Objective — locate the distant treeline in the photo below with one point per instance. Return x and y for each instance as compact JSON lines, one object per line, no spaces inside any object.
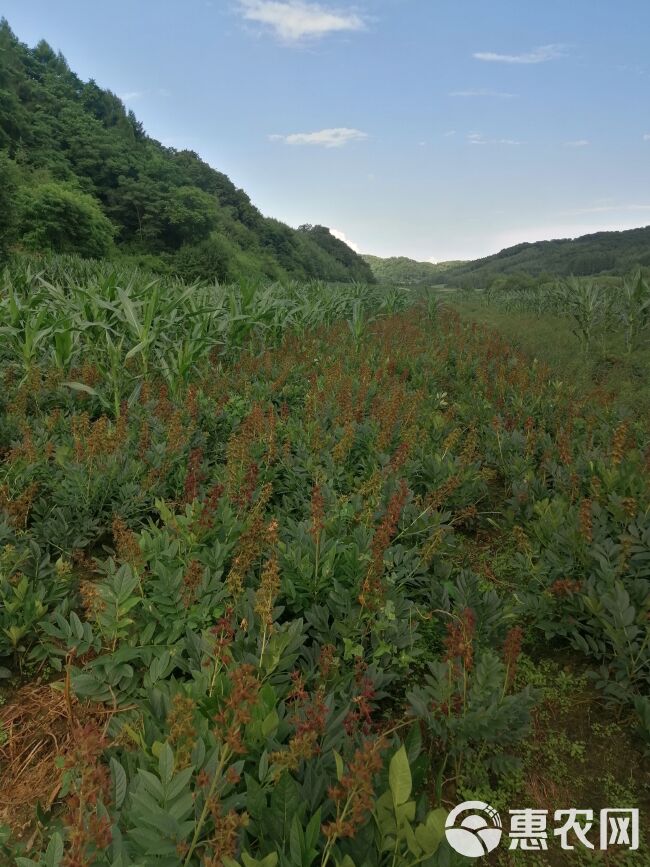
{"x":78,"y":174}
{"x":408,"y":272}
{"x":603,"y":253}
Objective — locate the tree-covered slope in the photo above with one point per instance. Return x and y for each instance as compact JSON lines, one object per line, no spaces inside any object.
{"x":613,"y":253}
{"x":78,"y":173}
{"x":404,"y":271}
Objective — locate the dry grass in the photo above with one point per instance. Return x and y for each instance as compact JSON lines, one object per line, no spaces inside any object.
{"x":40,"y":723}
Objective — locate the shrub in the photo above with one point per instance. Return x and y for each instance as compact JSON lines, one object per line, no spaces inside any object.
{"x":7,"y":201}
{"x":211,"y":259}
{"x":65,"y":220}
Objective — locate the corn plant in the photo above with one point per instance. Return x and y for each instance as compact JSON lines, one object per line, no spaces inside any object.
{"x":585,"y":304}
{"x":635,"y":310}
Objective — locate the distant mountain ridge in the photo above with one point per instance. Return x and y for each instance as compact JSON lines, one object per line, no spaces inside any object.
{"x":611,"y":253}
{"x":70,"y":150}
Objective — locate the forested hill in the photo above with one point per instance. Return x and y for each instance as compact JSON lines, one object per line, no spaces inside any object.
{"x":79,"y":174}
{"x":407,"y":272}
{"x":610,"y":253}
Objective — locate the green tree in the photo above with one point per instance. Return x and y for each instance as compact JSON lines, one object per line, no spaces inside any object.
{"x":65,"y":220}
{"x":211,"y":259}
{"x":189,"y":215}
{"x":160,"y":200}
{"x":7,"y":201}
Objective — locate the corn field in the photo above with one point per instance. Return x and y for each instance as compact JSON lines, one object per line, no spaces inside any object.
{"x":592,"y":307}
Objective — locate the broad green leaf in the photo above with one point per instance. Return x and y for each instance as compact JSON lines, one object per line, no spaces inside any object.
{"x":415,"y":847}
{"x":166,"y":764}
{"x":54,"y":851}
{"x":270,"y":723}
{"x":285,"y":803}
{"x":80,"y":386}
{"x":432,"y":832}
{"x":296,"y":841}
{"x":119,"y":783}
{"x":399,"y":777}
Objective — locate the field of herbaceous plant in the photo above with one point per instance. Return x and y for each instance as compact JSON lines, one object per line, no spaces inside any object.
{"x":286,"y":573}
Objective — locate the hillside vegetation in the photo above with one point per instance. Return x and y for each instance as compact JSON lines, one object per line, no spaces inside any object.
{"x":607,"y":253}
{"x":78,"y":174}
{"x":407,"y":272}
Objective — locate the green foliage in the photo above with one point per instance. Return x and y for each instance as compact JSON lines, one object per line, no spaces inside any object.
{"x":613,"y":253}
{"x":586,"y":304}
{"x":64,"y":220}
{"x":525,"y":266}
{"x":634,"y":310}
{"x":242,"y":523}
{"x":188,"y":215}
{"x":212,"y":259}
{"x":594,"y":308}
{"x":407,"y":272}
{"x":160,"y":200}
{"x":404,"y":841}
{"x":8,"y":215}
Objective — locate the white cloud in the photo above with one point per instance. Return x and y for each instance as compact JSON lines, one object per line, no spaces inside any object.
{"x":135,"y":95}
{"x":342,"y":237}
{"x":477,"y":138}
{"x":131,"y":95}
{"x":293,"y":20}
{"x":538,"y":55}
{"x":472,"y":93}
{"x":326,"y":138}
{"x":646,"y":137}
{"x":578,"y":143}
{"x":450,"y":132}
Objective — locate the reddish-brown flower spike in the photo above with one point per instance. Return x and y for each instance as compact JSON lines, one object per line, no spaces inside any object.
{"x":459,"y":640}
{"x":371,"y":590}
{"x":223,"y":633}
{"x":565,"y":587}
{"x":191,"y":582}
{"x":127,"y":547}
{"x":194,"y":476}
{"x":327,"y":660}
{"x":586,"y":520}
{"x":210,"y":506}
{"x":236,"y":710}
{"x":354,"y":794}
{"x":317,"y":513}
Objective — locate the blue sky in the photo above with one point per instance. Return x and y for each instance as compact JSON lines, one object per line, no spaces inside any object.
{"x":436,"y":129}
